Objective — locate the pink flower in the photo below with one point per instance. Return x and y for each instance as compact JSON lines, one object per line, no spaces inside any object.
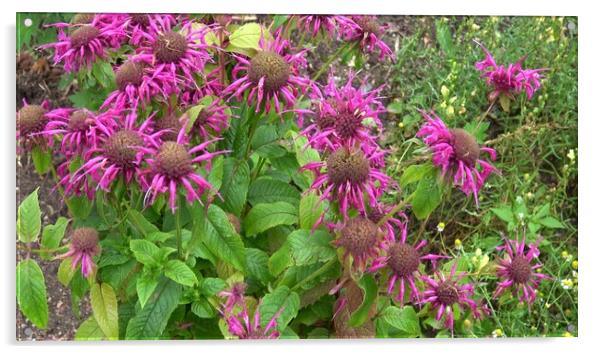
{"x":402,"y":261}
{"x":445,"y":292}
{"x":172,"y":164}
{"x":136,"y":25}
{"x":516,"y":271}
{"x":361,"y":240}
{"x":83,"y":247}
{"x":346,"y":116}
{"x":116,"y":152}
{"x":271,"y":76}
{"x":31,"y":122}
{"x":508,"y":80}
{"x":80,"y":45}
{"x":458,"y":154}
{"x":241,"y":323}
{"x":368,"y":32}
{"x":77,"y":128}
{"x":348,"y":177}
{"x":212,"y":119}
{"x":323,"y":24}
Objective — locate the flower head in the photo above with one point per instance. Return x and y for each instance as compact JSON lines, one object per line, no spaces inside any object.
{"x":241,"y":323}
{"x":31,"y":122}
{"x":348,"y":176}
{"x":508,"y":80}
{"x":458,"y":154}
{"x":516,"y":271}
{"x":77,"y":127}
{"x":444,"y":292}
{"x":80,"y":45}
{"x":172,"y":164}
{"x":368,"y":32}
{"x":271,"y":76}
{"x":323,"y":25}
{"x":345,"y":116}
{"x":84,"y":245}
{"x":361,"y":239}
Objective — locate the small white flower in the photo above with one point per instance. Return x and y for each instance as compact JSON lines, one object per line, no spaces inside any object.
{"x":521,"y":216}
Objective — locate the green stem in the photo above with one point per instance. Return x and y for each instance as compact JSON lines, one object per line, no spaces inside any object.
{"x":179,"y":234}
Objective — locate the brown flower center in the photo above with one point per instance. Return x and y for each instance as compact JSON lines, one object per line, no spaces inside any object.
{"x":120,"y":148}
{"x":359,"y":236}
{"x":80,"y":120}
{"x":85,"y":239}
{"x":347,"y":124}
{"x":368,"y":24}
{"x":170,"y":47}
{"x":83,"y":35}
{"x":465,"y":146}
{"x":270,"y":66}
{"x":83,"y":18}
{"x":139,"y":19}
{"x":171,"y":124}
{"x":344,"y":166}
{"x":129,"y":73}
{"x":31,"y":119}
{"x":520,"y":270}
{"x":173,"y":160}
{"x":403,"y":259}
{"x":447,"y":293}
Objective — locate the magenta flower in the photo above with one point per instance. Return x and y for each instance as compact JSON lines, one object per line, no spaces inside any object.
{"x":443,"y":293}
{"x":394,"y":224}
{"x":83,"y":247}
{"x":31,"y":122}
{"x":116,"y":152}
{"x":348,"y":177}
{"x":361,"y":240}
{"x":458,"y":154}
{"x":508,"y":80}
{"x":346,"y":116}
{"x":326,"y":25}
{"x":172,"y":164}
{"x":136,"y":25}
{"x":368,"y":32}
{"x":517,"y":272}
{"x":212,"y":119}
{"x":77,"y":128}
{"x":271,"y":76}
{"x":402,"y":261}
{"x":80,"y":45}
{"x":137,"y":82}
{"x":177,"y":58}
{"x":241,"y":323}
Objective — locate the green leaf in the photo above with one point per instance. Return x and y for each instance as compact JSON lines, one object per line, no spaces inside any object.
{"x":31,"y":292}
{"x":89,"y":330}
{"x":179,"y":272}
{"x":104,"y":309}
{"x":79,"y":206}
{"x":280,"y":260}
{"x":66,"y":272}
{"x":247,"y":37}
{"x":370,"y":290}
{"x":304,"y":153}
{"x":504,"y":213}
{"x":42,"y":159}
{"x":257,"y":265}
{"x":551,"y":222}
{"x":263,"y":217}
{"x":235,"y":185}
{"x":221,"y":239}
{"x":269,"y":190}
{"x":310,"y":209}
{"x":414,"y":173}
{"x":29,"y":218}
{"x":139,"y":222}
{"x":211,"y":286}
{"x":145,"y":251}
{"x":444,"y":37}
{"x":283,"y":301}
{"x":52,"y":236}
{"x":145,"y":285}
{"x":404,"y":319}
{"x":427,"y":196}
{"x":505,"y":102}
{"x":150,"y":322}
{"x":202,"y":308}
{"x":309,"y":248}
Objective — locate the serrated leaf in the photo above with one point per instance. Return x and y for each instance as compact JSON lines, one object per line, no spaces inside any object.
{"x":52,"y":236}
{"x":31,"y":292}
{"x":89,"y":330}
{"x":404,"y":319}
{"x":145,"y":286}
{"x":144,"y":251}
{"x":427,"y":196}
{"x":140,"y":223}
{"x":150,"y":322}
{"x":370,"y":291}
{"x":202,"y":308}
{"x":282,"y":300}
{"x":235,"y":185}
{"x":29,"y":218}
{"x":221,"y":239}
{"x":414,"y":173}
{"x":42,"y":159}
{"x":280,"y":260}
{"x":104,"y":309}
{"x":179,"y":272}
{"x":211,"y":286}
{"x":551,"y":222}
{"x":257,"y":265}
{"x":504,"y":213}
{"x":310,"y":209}
{"x":66,"y":271}
{"x":264,"y":216}
{"x":309,"y":248}
{"x":79,"y":206}
{"x":247,"y":37}
{"x":269,"y":190}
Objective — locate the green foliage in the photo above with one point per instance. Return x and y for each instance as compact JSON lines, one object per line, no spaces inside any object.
{"x":29,"y":218}
{"x":31,"y":292}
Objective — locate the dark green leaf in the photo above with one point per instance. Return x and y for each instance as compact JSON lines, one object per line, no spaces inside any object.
{"x":235,"y":185}
{"x":52,"y":236}
{"x":31,"y":292}
{"x":283,"y":301}
{"x":269,"y":190}
{"x":29,"y":218}
{"x":404,"y":319}
{"x":179,"y":272}
{"x":264,"y":216}
{"x":309,"y":248}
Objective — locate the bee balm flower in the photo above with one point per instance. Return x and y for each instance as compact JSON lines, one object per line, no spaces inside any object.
{"x":360,"y":238}
{"x":83,"y":247}
{"x":368,"y":32}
